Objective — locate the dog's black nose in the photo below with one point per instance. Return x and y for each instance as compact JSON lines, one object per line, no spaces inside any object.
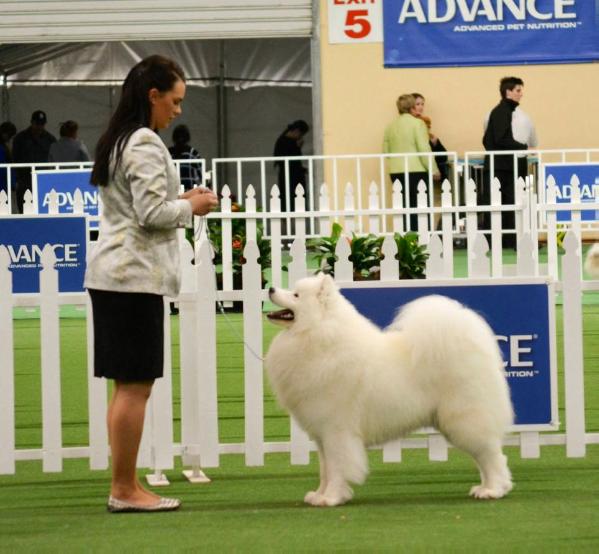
{"x":271,"y":290}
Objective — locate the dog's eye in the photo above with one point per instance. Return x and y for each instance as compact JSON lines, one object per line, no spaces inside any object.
{"x":296,"y":294}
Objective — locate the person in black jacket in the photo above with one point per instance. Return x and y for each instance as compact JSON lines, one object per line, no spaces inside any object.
{"x":29,"y":146}
{"x":289,"y":143}
{"x":499,"y":136}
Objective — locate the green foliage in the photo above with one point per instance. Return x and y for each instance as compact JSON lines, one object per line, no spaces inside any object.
{"x":366,"y":254}
{"x":324,"y":249}
{"x":411,"y":256}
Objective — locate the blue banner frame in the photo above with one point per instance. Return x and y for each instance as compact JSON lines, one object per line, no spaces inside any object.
{"x":25,"y":238}
{"x":588,"y":176}
{"x":521,"y":315}
{"x":442,"y":33}
{"x":65,"y":182}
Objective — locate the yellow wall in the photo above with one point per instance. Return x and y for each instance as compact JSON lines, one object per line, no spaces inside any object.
{"x":358,"y":99}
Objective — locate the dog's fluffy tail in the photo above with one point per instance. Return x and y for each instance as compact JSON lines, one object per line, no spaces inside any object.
{"x":591,"y":264}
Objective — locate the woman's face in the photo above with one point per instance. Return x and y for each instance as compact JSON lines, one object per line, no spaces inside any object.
{"x":418,"y":106}
{"x":166,"y":106}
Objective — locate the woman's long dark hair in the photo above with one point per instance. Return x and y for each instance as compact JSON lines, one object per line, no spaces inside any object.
{"x":133,"y":110}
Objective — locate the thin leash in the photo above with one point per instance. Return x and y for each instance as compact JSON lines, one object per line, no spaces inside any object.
{"x":197,"y":234}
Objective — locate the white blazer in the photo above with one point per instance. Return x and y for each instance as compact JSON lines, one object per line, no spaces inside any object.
{"x":137,"y":248}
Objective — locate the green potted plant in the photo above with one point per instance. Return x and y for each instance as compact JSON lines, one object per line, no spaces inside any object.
{"x":411,"y":256}
{"x":366,"y":254}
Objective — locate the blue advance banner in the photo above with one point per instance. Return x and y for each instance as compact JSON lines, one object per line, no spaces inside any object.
{"x":438,"y":33}
{"x":588,"y":175}
{"x":25,"y":238}
{"x":65,"y":183}
{"x":520,"y":316}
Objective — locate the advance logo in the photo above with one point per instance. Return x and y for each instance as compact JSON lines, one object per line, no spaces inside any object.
{"x":65,"y":183}
{"x":25,"y":238}
{"x":588,"y":176}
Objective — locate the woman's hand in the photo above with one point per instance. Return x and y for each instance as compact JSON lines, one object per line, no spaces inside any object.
{"x":202,"y":200}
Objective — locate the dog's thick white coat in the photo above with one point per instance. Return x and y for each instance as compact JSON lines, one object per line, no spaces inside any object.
{"x":350,"y":385}
{"x":591,"y":264}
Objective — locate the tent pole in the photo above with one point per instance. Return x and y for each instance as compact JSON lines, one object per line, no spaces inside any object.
{"x":221,"y":123}
{"x":5,"y":99}
{"x":316,"y":91}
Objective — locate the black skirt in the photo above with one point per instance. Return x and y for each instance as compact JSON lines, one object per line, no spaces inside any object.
{"x":128,"y":335}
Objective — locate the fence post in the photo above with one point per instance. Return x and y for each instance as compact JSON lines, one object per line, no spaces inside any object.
{"x":344,"y":270}
{"x":471,"y":223}
{"x":373,"y":204}
{"x":4,"y":203}
{"x":7,"y":368}
{"x":446,"y":230}
{"x":389,"y":265}
{"x":97,"y":401}
{"x":325,"y":223}
{"x":479,"y":264}
{"x":496,"y":230}
{"x":50,"y":354}
{"x":573,"y":347}
{"x":397,"y":204}
{"x":422,"y":218}
{"x":434,"y":264}
{"x":197,"y":324}
{"x":275,"y":237}
{"x":349,"y":221}
{"x":160,"y":412}
{"x":300,"y":442}
{"x":551,"y":226}
{"x":252,"y":357}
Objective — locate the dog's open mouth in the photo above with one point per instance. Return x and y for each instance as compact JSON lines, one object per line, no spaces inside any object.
{"x":281,"y":315}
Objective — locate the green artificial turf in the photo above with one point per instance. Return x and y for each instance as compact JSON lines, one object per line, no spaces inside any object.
{"x":414,"y":506}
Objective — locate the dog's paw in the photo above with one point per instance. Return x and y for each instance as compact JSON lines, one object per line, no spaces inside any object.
{"x":313,"y":497}
{"x":485,"y":493}
{"x":316,"y":499}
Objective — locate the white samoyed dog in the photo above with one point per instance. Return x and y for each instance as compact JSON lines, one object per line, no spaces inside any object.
{"x":591,"y":264}
{"x":350,"y":385}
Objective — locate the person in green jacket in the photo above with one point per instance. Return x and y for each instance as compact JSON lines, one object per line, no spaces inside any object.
{"x":408,"y":134}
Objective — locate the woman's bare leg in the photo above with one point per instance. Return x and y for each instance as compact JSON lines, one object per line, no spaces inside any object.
{"x":125,"y":425}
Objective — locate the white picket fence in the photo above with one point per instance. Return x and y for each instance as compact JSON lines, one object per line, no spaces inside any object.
{"x":199,"y":445}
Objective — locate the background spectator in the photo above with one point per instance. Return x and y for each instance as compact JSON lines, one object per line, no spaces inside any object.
{"x":31,"y":145}
{"x":433,"y":140}
{"x":289,"y":143}
{"x":7,"y":131}
{"x":191,"y":174}
{"x":499,"y":135}
{"x":406,"y":134}
{"x":68,"y":148}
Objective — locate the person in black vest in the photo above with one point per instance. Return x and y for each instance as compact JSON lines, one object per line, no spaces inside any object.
{"x":30,"y":146}
{"x":499,"y":136}
{"x":290,"y":143}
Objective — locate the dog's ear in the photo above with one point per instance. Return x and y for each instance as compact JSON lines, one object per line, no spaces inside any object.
{"x":327,"y":286}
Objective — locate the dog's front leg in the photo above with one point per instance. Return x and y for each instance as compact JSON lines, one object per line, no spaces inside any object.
{"x":313,"y":497}
{"x":345,"y":460}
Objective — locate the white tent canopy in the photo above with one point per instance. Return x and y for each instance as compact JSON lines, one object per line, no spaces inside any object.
{"x":241,"y":92}
{"x":240,"y":63}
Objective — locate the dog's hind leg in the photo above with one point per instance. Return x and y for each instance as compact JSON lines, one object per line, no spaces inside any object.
{"x":311,"y":496}
{"x":496,"y":479}
{"x":345,"y":461}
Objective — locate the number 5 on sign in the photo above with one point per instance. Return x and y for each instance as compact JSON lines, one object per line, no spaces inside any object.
{"x":355,"y":21}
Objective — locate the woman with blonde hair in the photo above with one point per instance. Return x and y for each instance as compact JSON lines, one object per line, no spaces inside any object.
{"x":409,"y":134}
